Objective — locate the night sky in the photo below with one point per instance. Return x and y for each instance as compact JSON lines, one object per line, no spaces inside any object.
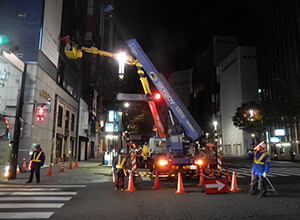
{"x":171,"y":34}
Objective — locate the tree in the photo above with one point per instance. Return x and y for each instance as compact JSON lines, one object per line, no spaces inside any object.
{"x":249,"y":117}
{"x":140,"y":118}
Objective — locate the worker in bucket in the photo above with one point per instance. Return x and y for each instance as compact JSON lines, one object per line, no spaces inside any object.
{"x":37,"y":161}
{"x":261,"y":165}
{"x":119,"y":166}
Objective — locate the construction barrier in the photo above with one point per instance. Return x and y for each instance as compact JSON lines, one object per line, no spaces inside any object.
{"x":219,"y":163}
{"x":133,"y":161}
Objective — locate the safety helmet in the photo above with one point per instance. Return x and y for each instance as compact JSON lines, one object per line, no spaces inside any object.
{"x":123,"y":151}
{"x":38,"y":146}
{"x":263,"y":146}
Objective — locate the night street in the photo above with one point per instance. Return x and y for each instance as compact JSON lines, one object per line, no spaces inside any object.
{"x":87,"y":192}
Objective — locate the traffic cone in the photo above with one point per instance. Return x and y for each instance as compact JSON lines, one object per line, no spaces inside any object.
{"x":227,"y":177}
{"x":70,"y":165}
{"x":130,"y":184}
{"x":50,"y":170}
{"x":76,"y":163}
{"x":62,"y":168}
{"x":18,"y":169}
{"x":233,"y":183}
{"x":24,"y":165}
{"x":156,"y":182}
{"x":201,"y":178}
{"x":250,"y":184}
{"x":56,"y":162}
{"x":180,"y":185}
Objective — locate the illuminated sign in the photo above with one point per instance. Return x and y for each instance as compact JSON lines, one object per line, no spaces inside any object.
{"x":279,"y":132}
{"x":274,"y":139}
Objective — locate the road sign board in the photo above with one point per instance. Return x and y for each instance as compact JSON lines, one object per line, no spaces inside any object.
{"x":130,"y":97}
{"x":215,"y":186}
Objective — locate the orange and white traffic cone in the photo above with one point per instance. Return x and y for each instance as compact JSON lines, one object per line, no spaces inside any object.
{"x":50,"y":170}
{"x":62,"y":168}
{"x":76,"y":163}
{"x":18,"y":169}
{"x":24,"y":165}
{"x":233,"y":183}
{"x":180,"y":185}
{"x":70,"y":165}
{"x":56,"y":162}
{"x":227,"y":177}
{"x":201,"y":178}
{"x":156,"y":182}
{"x":130,"y":184}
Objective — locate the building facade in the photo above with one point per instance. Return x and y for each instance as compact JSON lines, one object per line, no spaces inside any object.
{"x":37,"y":27}
{"x":238,"y":85}
{"x":181,"y":82}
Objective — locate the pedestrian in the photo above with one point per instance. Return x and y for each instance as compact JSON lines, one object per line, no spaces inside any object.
{"x":37,"y":160}
{"x":260,"y":168}
{"x":118,"y":167}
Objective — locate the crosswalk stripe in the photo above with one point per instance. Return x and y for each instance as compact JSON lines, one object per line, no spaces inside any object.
{"x":42,"y":186}
{"x":25,"y":215}
{"x":36,"y":198}
{"x":33,"y":189}
{"x":146,"y":178}
{"x":39,"y":193}
{"x":30,"y":205}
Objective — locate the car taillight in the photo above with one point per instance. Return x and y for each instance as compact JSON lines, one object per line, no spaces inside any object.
{"x":198,"y":162}
{"x":163,"y":162}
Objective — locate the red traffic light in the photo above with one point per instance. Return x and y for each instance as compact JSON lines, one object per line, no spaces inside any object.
{"x":40,"y":111}
{"x":40,"y":118}
{"x":157,"y":96}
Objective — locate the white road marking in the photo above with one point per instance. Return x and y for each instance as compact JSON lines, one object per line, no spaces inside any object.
{"x":32,"y":189}
{"x":42,"y":186}
{"x":36,"y":198}
{"x":25,"y":215}
{"x":30,"y":205}
{"x":146,"y":178}
{"x":39,"y":193}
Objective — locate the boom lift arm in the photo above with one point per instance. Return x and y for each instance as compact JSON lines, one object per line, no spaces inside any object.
{"x":192,"y":129}
{"x":72,"y":52}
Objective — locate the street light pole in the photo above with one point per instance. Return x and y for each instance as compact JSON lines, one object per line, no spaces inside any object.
{"x":216,"y":139}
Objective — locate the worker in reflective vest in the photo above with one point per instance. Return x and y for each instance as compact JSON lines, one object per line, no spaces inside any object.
{"x":119,"y":166}
{"x":260,"y":168}
{"x":37,"y":161}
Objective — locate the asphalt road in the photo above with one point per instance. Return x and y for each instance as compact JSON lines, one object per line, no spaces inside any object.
{"x":92,"y":196}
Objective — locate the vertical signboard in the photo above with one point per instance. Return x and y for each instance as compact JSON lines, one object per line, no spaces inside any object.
{"x":51,"y":29}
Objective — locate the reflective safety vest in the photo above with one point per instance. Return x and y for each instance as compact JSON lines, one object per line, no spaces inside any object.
{"x":36,"y":159}
{"x":120,"y":164}
{"x":259,"y":160}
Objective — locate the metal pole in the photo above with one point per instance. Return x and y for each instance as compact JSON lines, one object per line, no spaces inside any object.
{"x":16,"y":140}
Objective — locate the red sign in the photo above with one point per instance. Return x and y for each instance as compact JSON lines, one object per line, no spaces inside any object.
{"x":215,"y":186}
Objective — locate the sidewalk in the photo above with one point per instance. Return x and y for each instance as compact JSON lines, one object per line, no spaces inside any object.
{"x":90,"y":171}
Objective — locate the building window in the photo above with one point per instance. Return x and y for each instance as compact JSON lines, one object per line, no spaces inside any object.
{"x":60,"y":116}
{"x":67,"y":119}
{"x":72,"y":122}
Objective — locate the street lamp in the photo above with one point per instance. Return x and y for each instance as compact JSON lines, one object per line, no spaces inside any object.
{"x":122,"y":58}
{"x":215,"y":123}
{"x":126,"y":104}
